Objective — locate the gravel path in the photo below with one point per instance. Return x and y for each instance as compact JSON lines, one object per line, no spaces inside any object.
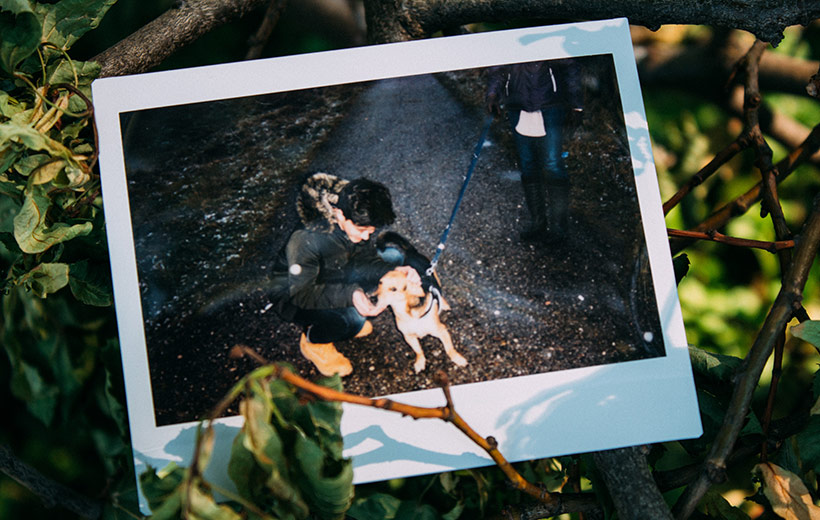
{"x":516,"y":308}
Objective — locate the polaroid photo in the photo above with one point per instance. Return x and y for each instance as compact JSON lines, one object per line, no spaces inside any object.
{"x":563,"y":314}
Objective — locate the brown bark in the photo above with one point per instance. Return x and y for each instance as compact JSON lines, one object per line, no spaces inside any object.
{"x":631,"y":485}
{"x":763,"y":18}
{"x":401,"y":20}
{"x":787,"y":301}
{"x":174,"y":29}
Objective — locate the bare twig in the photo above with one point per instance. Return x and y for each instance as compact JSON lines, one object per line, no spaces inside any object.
{"x":724,"y":156}
{"x":714,"y":236}
{"x":396,"y":20}
{"x":777,"y":371}
{"x":52,"y":493}
{"x":782,"y":311}
{"x":269,"y":21}
{"x":555,"y":502}
{"x":741,"y":204}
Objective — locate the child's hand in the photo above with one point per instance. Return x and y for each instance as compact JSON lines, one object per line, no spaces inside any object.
{"x":365,"y":307}
{"x":413,"y":277}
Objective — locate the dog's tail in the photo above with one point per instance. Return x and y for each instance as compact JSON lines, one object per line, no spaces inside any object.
{"x":414,"y":259}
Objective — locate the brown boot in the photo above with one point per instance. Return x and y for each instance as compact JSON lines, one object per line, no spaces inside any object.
{"x":367,"y":328}
{"x":327,"y":359}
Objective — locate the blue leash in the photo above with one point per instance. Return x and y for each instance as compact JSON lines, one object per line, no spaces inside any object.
{"x":476,"y":152}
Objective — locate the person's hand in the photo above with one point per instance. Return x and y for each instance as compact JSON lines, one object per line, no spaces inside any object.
{"x":413,"y":277}
{"x":364,"y":306}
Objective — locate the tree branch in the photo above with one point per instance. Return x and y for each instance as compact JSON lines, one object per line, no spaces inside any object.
{"x":706,"y":66}
{"x":782,"y":311}
{"x":741,"y":204}
{"x":714,"y":236}
{"x":631,"y":485}
{"x":724,"y":156}
{"x":421,"y":18}
{"x":269,"y":21}
{"x":553,"y":503}
{"x":174,"y":29}
{"x":53,"y":494}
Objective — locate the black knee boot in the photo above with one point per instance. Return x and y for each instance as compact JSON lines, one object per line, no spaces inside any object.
{"x":534,"y":197}
{"x":558,"y":208}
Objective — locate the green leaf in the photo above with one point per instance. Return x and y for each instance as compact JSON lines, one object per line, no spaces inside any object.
{"x":162,"y":490}
{"x":13,"y":131}
{"x":808,"y":444}
{"x":414,"y":511}
{"x":45,"y":279}
{"x":258,"y":464}
{"x":448,"y":481}
{"x":715,"y":366}
{"x":455,"y":512}
{"x":320,"y":419}
{"x":40,"y":397}
{"x":203,"y":505}
{"x":47,"y":172}
{"x":29,"y":163}
{"x":67,"y":20}
{"x":20,"y":30}
{"x":328,"y":484}
{"x":8,"y":105}
{"x":815,"y":387}
{"x":379,"y":506}
{"x":110,"y":396}
{"x":72,"y":176}
{"x":16,"y":6}
{"x":32,"y":233}
{"x":713,"y":410}
{"x":808,"y":331}
{"x":90,"y":284}
{"x":206,"y":437}
{"x":680,"y":264}
{"x":77,"y":73}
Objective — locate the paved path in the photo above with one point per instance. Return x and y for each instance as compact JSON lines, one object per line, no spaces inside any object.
{"x":516,"y":309}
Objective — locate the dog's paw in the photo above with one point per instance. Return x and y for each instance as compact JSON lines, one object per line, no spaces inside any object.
{"x":458,"y":359}
{"x":420,"y":363}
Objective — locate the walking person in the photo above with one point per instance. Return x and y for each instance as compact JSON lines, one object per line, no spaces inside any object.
{"x":537,"y":98}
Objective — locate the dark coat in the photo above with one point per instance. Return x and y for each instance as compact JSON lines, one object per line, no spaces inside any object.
{"x":319,"y":267}
{"x":536,"y":85}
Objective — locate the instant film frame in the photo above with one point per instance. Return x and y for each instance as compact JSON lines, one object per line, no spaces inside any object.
{"x":601,"y":403}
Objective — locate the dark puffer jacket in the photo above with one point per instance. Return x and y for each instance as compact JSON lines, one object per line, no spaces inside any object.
{"x":536,"y":85}
{"x":319,"y":267}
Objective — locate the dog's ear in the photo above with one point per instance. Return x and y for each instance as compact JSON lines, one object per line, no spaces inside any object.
{"x":415,"y":290}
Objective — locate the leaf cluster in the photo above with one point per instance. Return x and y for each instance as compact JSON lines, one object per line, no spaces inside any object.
{"x":794,"y":460}
{"x":48,"y":152}
{"x":56,"y":320}
{"x":286,"y":462}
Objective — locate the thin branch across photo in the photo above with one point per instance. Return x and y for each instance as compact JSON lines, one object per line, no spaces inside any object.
{"x":249,"y":203}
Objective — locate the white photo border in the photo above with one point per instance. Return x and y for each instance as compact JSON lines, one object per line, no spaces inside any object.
{"x":535,"y":416}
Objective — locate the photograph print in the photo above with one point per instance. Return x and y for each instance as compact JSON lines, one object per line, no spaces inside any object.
{"x":483,"y":206}
{"x":543,"y":269}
